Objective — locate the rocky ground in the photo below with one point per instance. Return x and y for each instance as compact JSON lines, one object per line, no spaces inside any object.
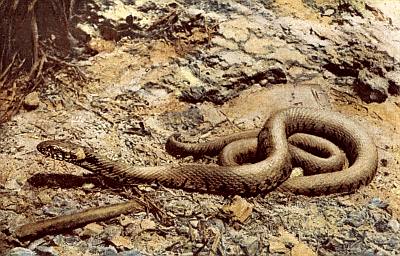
{"x":203,"y":69}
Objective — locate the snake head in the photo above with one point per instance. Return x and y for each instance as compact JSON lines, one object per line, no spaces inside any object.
{"x":62,"y":150}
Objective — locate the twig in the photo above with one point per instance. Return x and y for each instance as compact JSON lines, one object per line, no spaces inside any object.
{"x":7,"y":69}
{"x":74,"y":220}
{"x":152,"y":206}
{"x":77,"y":68}
{"x":163,"y":20}
{"x":35,"y":34}
{"x":216,"y":243}
{"x":37,"y":68}
{"x":71,"y":8}
{"x":15,"y":4}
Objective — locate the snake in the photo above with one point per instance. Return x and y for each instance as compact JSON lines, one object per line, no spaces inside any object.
{"x":313,"y":154}
{"x":273,"y":154}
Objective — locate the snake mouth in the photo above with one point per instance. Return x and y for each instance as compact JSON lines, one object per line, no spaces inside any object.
{"x":61,"y":150}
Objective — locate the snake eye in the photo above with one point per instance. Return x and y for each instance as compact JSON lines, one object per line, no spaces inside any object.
{"x":58,"y":156}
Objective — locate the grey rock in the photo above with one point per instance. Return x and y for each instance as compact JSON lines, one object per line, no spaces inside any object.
{"x":377,"y":203}
{"x":94,"y":241}
{"x":183,"y":229}
{"x":32,"y":246}
{"x":130,"y":253}
{"x":61,"y":240}
{"x":201,"y":94}
{"x":51,"y":211}
{"x":355,"y":219}
{"x":112,"y":231}
{"x":45,"y":250}
{"x":394,"y":82}
{"x":218,"y":223}
{"x":108,"y":251}
{"x":369,"y":252}
{"x":393,"y":243}
{"x":251,"y":245}
{"x":19,"y":251}
{"x":187,"y":120}
{"x":379,"y":239}
{"x":371,"y":87}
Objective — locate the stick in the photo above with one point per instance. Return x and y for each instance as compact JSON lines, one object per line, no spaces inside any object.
{"x":71,"y":221}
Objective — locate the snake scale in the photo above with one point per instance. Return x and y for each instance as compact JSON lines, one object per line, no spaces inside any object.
{"x":272,"y":150}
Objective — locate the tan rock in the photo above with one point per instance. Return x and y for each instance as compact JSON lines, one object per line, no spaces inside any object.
{"x":287,"y":237}
{"x":44,"y":197}
{"x":239,"y":209}
{"x":126,"y":220}
{"x":225,"y":43}
{"x":101,"y":45}
{"x":122,"y":242}
{"x":147,"y":224}
{"x":211,"y":114}
{"x":194,"y":223}
{"x":236,"y":29}
{"x":301,"y":249}
{"x":92,"y":229}
{"x":276,"y":246}
{"x":257,"y":45}
{"x":236,"y":57}
{"x":31,"y":101}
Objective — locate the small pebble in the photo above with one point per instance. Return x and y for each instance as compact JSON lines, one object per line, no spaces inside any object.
{"x":329,"y":12}
{"x":377,"y":202}
{"x":384,"y":162}
{"x":126,"y":220}
{"x":194,"y":223}
{"x":394,"y":225}
{"x":183,"y":229}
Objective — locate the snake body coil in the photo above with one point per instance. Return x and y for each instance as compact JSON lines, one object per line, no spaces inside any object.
{"x":272,"y":170}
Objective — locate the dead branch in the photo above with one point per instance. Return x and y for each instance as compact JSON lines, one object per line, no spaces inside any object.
{"x":71,"y":221}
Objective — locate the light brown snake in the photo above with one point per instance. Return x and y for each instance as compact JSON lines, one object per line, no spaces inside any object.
{"x":271,"y":171}
{"x":277,"y":146}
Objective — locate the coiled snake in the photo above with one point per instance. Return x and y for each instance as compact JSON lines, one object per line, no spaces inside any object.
{"x":271,"y":149}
